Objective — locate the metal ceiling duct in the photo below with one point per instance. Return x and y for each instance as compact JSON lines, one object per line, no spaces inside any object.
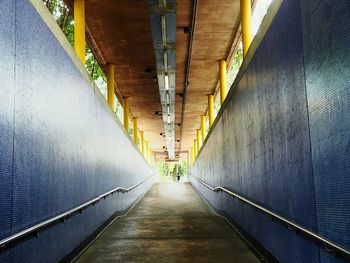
{"x":163,"y":23}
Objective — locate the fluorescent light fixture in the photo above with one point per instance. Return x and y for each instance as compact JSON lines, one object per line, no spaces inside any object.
{"x":167,"y":98}
{"x":163,"y":21}
{"x":165,"y":58}
{"x":168,"y":119}
{"x":168,"y":109}
{"x":166,"y":80}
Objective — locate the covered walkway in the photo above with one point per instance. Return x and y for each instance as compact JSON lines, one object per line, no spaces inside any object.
{"x":100,"y":97}
{"x":170,"y":224}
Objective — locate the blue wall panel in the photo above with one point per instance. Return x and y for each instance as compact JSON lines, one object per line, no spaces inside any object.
{"x":61,"y":145}
{"x":7,"y":62}
{"x":265,"y":150}
{"x":326,"y":35}
{"x":286,"y":133}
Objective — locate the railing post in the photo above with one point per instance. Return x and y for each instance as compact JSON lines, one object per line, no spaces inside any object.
{"x":246,"y":23}
{"x":79,"y":29}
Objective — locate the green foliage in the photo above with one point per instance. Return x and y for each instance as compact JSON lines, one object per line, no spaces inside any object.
{"x":66,"y":22}
{"x":118,"y":108}
{"x":235,"y":66}
{"x":230,"y":77}
{"x":169,"y":168}
{"x":93,"y":67}
{"x":238,"y":59}
{"x":61,"y":14}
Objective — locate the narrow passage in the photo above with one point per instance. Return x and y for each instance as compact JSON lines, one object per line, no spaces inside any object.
{"x":170,"y":224}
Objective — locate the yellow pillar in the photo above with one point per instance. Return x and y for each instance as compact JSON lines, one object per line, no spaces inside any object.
{"x":142,"y":147}
{"x":195,"y":150}
{"x":110,"y":85}
{"x":246,"y":23}
{"x":203,"y":127}
{"x":126,"y":113}
{"x":211,"y":109}
{"x":223,"y":90}
{"x":146,"y":150}
{"x":79,"y":29}
{"x":150,"y":156}
{"x":136,"y":137}
{"x":199,"y":143}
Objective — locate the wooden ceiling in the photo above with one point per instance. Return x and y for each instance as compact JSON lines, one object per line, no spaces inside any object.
{"x":217,"y":23}
{"x":119,"y":32}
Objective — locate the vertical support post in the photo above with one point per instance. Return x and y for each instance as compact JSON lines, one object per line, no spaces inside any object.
{"x":126,"y":114}
{"x":146,"y":150}
{"x":211,"y":109}
{"x":195,"y":148}
{"x":203,"y":127}
{"x":150,"y":156}
{"x":199,"y":144}
{"x":246,"y":10}
{"x":110,"y":85}
{"x":135,"y":126}
{"x":142,"y":146}
{"x":223,"y":90}
{"x":79,"y":29}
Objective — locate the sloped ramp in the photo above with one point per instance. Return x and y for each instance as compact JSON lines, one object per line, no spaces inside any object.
{"x":170,"y":224}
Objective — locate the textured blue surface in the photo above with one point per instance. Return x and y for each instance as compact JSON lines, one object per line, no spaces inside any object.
{"x":7,"y":62}
{"x":60,"y":145}
{"x":326,"y":35}
{"x":284,"y":138}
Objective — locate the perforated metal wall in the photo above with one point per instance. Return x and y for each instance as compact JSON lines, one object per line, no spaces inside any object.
{"x":326,"y":39}
{"x":60,"y":143}
{"x":7,"y":62}
{"x":283,"y":139}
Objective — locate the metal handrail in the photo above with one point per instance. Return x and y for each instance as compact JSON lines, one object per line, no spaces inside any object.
{"x":329,"y":245}
{"x":63,"y":216}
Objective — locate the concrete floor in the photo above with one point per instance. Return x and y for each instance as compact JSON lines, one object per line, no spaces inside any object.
{"x":170,"y":224}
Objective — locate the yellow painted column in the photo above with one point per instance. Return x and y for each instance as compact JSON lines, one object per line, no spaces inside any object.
{"x":110,"y":85}
{"x":223,"y":90}
{"x":142,"y":147}
{"x":203,"y":127}
{"x":126,"y":113}
{"x":79,"y":29}
{"x":146,"y":150}
{"x":211,"y":109}
{"x":135,"y":127}
{"x":199,"y":144}
{"x":195,"y":148}
{"x":246,"y":15}
{"x":150,"y":156}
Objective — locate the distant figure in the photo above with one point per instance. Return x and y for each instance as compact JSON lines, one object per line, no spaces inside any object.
{"x":178,"y":177}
